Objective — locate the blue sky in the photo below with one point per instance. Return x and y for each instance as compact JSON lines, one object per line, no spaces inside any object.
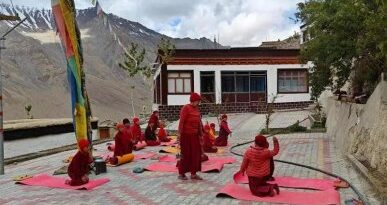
{"x":238,"y":22}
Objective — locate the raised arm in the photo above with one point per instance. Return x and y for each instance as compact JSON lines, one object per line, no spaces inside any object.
{"x":275,"y":150}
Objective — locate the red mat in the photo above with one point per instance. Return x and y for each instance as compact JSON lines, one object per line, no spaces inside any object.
{"x":293,"y":182}
{"x":45,"y":180}
{"x":222,"y":160}
{"x":171,"y":167}
{"x":328,"y":197}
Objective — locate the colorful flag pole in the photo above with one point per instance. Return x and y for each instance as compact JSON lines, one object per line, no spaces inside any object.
{"x":65,"y":18}
{"x":99,"y":9}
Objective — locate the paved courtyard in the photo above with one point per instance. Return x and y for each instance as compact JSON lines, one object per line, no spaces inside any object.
{"x":125,"y":187}
{"x":19,"y":147}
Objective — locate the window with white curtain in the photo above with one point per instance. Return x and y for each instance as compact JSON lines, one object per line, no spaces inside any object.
{"x":179,"y":82}
{"x":292,"y":81}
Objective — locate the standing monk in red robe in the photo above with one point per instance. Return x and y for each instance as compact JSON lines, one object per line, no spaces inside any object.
{"x":224,"y":131}
{"x":189,"y":138}
{"x":79,"y":167}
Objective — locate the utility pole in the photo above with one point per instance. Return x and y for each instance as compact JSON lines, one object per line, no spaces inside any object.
{"x":2,"y":39}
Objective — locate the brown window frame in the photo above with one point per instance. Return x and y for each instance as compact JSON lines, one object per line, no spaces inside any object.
{"x":182,"y":78}
{"x":291,"y":92}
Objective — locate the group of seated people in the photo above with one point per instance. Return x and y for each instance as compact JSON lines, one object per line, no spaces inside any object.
{"x":128,"y":136}
{"x":257,"y":163}
{"x":155,"y":132}
{"x":210,"y":141}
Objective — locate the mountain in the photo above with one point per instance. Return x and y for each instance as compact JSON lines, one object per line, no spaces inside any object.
{"x":34,"y":70}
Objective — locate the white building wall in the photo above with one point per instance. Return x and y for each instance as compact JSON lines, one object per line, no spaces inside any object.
{"x":178,"y":99}
{"x":218,"y":87}
{"x":271,"y":80}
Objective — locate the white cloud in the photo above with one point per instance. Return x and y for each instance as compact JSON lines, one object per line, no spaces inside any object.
{"x":238,"y":22}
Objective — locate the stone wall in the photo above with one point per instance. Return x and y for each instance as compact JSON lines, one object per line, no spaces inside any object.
{"x":171,"y":112}
{"x":361,"y":130}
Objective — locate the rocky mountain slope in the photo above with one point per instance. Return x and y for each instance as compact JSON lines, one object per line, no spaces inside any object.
{"x":34,"y":65}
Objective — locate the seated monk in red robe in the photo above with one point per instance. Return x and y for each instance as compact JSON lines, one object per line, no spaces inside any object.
{"x":212,"y":133}
{"x":256,"y":164}
{"x":79,"y":167}
{"x":150,"y":133}
{"x":224,"y":131}
{"x":154,"y":119}
{"x":208,"y":145}
{"x":162,"y":133}
{"x":126,"y":123}
{"x":123,"y":143}
{"x":135,"y":130}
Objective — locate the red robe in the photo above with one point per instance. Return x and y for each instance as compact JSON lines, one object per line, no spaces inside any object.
{"x":190,"y":129}
{"x":150,"y":137}
{"x":78,"y":168}
{"x":123,"y":143}
{"x":136,"y":133}
{"x":155,"y":120}
{"x":162,"y":135}
{"x":208,"y":145}
{"x":224,"y":131}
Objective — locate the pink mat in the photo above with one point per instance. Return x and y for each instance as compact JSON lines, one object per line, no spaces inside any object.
{"x":171,"y":167}
{"x":107,"y":155}
{"x":45,"y":180}
{"x":140,"y":145}
{"x":167,"y":158}
{"x":111,"y":147}
{"x":293,"y":182}
{"x":328,"y":197}
{"x":144,"y":155}
{"x":172,"y":142}
{"x":222,"y":160}
{"x":138,"y":156}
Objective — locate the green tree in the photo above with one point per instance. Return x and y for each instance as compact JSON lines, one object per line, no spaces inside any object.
{"x":134,"y":62}
{"x":166,"y":50}
{"x":348,"y":44}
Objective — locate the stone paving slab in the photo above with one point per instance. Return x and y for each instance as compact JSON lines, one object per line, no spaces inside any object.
{"x":125,"y":187}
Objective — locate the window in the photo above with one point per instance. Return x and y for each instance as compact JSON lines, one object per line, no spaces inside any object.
{"x":292,"y":81}
{"x":243,"y":86}
{"x":228,"y":83}
{"x":207,"y":82}
{"x":242,"y":83}
{"x":207,"y":86}
{"x":179,"y":82}
{"x":258,"y":83}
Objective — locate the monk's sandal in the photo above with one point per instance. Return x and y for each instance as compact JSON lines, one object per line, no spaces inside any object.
{"x":182,"y":177}
{"x":196,"y":177}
